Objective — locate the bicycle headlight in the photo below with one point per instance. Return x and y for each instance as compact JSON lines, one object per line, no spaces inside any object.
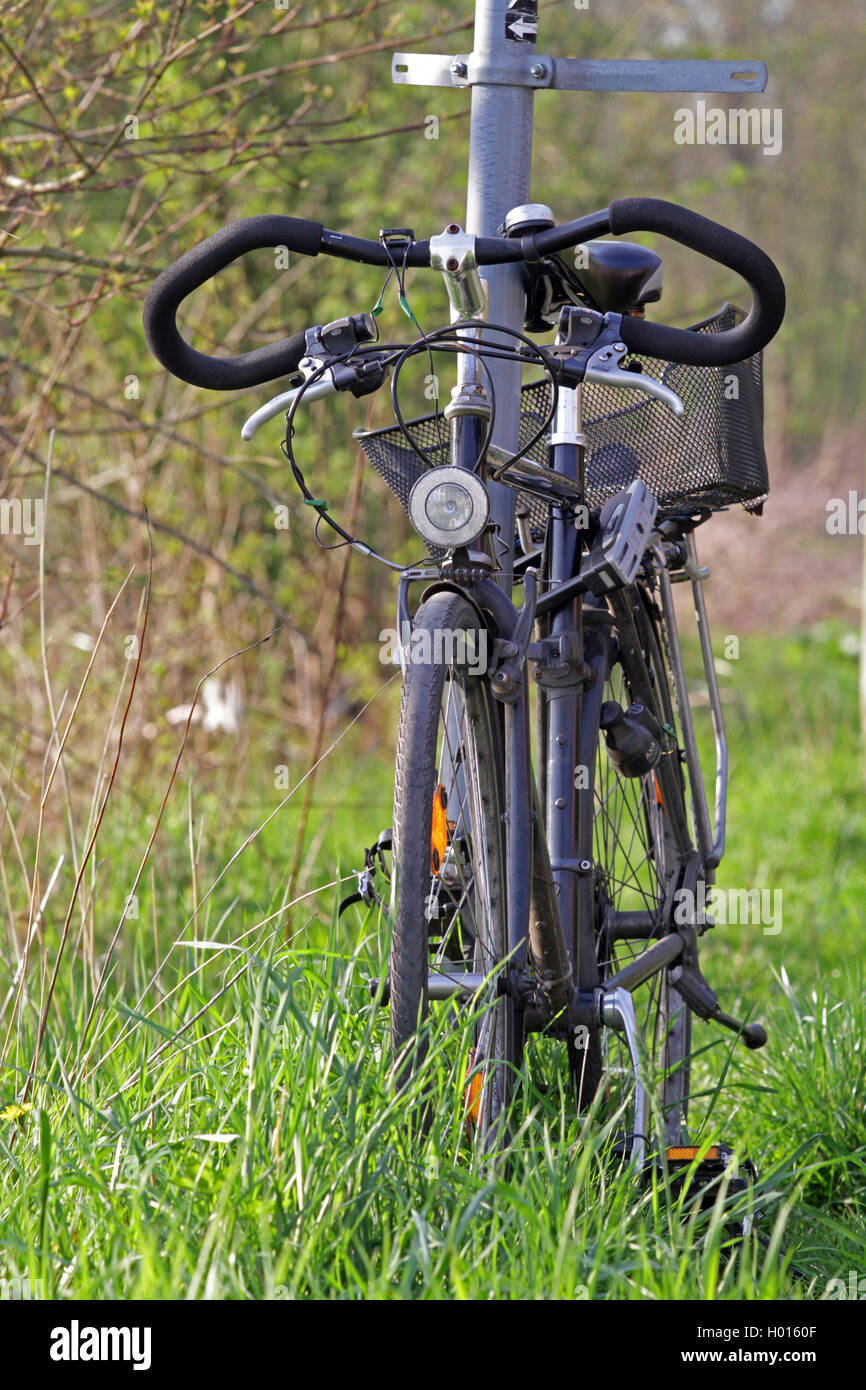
{"x":449,"y":507}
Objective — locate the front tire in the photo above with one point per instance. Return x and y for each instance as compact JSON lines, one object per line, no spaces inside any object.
{"x":449,"y":898}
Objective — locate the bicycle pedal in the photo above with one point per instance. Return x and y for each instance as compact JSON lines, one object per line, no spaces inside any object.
{"x":374,"y":859}
{"x":625,"y":527}
{"x":708,"y":1173}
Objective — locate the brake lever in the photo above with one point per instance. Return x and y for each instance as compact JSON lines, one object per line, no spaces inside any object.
{"x":588,"y":348}
{"x":604,"y":369}
{"x":360,"y":380}
{"x":282,"y":403}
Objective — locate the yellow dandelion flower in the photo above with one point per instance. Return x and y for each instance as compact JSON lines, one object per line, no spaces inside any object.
{"x":15,"y":1111}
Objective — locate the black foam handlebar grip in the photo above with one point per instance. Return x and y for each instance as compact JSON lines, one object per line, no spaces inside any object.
{"x":191,"y":271}
{"x":729,"y":249}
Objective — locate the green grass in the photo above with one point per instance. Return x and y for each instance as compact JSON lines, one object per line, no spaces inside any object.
{"x":234,"y":1133}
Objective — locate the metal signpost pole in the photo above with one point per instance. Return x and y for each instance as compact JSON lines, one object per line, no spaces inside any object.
{"x":500,"y":156}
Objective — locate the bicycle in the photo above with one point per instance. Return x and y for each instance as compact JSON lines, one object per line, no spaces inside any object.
{"x":548,"y":904}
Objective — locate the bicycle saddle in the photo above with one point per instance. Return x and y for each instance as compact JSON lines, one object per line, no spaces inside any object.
{"x":619,"y":276}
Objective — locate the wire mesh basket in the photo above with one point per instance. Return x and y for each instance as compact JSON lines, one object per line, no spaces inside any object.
{"x":712,"y":456}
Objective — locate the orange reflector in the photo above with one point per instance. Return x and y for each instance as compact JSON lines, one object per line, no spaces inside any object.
{"x":660,"y":801}
{"x":687,"y":1152}
{"x":473,"y":1093}
{"x":439,"y":830}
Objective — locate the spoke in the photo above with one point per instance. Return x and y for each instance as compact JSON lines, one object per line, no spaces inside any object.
{"x":630,"y":847}
{"x":633,"y":870}
{"x":476,"y":829}
{"x":455,"y":761}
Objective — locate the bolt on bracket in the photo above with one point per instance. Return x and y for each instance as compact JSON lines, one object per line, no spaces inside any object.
{"x":579,"y":74}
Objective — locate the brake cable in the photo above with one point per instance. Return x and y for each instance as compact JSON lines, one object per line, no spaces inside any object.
{"x":317,"y":503}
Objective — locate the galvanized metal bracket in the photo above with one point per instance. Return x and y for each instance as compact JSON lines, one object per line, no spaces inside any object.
{"x":471,"y":69}
{"x":579,"y":74}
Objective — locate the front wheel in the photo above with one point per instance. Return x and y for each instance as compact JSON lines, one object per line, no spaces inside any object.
{"x":449,"y":895}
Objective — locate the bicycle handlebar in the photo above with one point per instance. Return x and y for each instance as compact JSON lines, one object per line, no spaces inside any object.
{"x":199,"y":265}
{"x":698,"y":233}
{"x":718,"y":244}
